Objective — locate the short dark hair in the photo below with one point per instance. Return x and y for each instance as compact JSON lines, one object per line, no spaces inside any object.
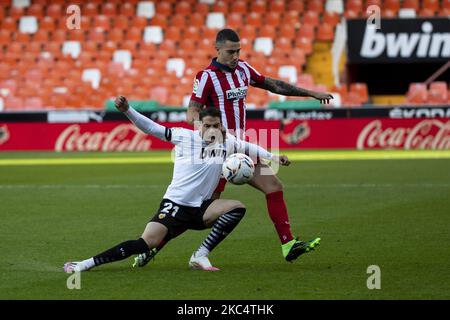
{"x":227,"y":34}
{"x":211,"y":112}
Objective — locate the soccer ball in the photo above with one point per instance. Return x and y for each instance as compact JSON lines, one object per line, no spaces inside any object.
{"x":238,"y":168}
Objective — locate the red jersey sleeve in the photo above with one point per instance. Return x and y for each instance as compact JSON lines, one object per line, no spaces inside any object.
{"x":202,"y":87}
{"x":255,"y":76}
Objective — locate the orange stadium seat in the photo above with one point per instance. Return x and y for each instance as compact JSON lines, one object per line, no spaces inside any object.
{"x":120,"y":22}
{"x":254,"y":19}
{"x":163,"y":8}
{"x":201,"y":8}
{"x":388,"y":13}
{"x":417,"y":93}
{"x":305,"y":44}
{"x":296,"y":5}
{"x":361,"y":89}
{"x":355,"y":5}
{"x":332,"y":18}
{"x":191,"y":33}
{"x":258,"y":6}
{"x":196,"y":20}
{"x":134,"y":34}
{"x":276,"y":6}
{"x":267,"y":31}
{"x":325,"y":32}
{"x":138,"y":22}
{"x":158,"y":20}
{"x":178,"y":21}
{"x":101,"y":21}
{"x":36,"y":10}
{"x":220,"y":6}
{"x":239,"y":7}
{"x":126,"y":10}
{"x":247,"y":32}
{"x":108,"y":9}
{"x":438,"y":93}
{"x":311,"y":17}
{"x":9,"y":23}
{"x":183,"y":8}
{"x":426,"y":12}
{"x":393,"y":5}
{"x":307,"y":31}
{"x":411,"y":4}
{"x":16,"y":12}
{"x":315,"y":5}
{"x":432,"y":5}
{"x":292,"y":18}
{"x":272,"y":18}
{"x":235,"y":20}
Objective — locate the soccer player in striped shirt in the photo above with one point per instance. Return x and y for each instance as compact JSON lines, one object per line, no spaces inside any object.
{"x":224,"y":84}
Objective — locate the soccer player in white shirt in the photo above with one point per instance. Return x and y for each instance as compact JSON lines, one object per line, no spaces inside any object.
{"x":187,"y":203}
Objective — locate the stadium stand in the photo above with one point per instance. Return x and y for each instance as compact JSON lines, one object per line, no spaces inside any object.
{"x":157,"y":46}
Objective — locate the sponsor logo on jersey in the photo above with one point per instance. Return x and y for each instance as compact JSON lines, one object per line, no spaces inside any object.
{"x":161,"y":215}
{"x":236,"y":93}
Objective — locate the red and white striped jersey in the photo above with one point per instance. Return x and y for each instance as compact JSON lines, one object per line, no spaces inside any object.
{"x":226,"y":89}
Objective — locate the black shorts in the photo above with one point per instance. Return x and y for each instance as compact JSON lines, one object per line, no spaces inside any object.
{"x":178,"y":218}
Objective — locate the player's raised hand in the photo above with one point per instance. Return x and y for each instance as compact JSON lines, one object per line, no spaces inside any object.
{"x":283,"y":160}
{"x":121,"y":104}
{"x":323,"y":97}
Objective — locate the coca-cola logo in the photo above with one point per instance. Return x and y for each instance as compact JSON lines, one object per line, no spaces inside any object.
{"x":4,"y":134}
{"x":426,"y":134}
{"x":124,"y":137}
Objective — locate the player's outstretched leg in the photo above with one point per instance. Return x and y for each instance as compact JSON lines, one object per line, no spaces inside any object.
{"x":223,"y":216}
{"x":152,"y":235}
{"x":265,"y":180}
{"x":144,"y":258}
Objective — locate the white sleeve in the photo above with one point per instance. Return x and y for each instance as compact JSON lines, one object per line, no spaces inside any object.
{"x":252,"y":150}
{"x":148,"y":126}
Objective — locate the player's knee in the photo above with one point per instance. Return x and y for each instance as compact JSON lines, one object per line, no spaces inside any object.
{"x":236,"y":204}
{"x":152,"y":241}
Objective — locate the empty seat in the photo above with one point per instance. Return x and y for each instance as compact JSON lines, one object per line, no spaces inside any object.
{"x":21,"y":3}
{"x":407,"y":13}
{"x":72,"y":48}
{"x":215,"y":20}
{"x":28,"y":24}
{"x":153,"y":34}
{"x":123,"y":57}
{"x":93,"y":76}
{"x":176,"y":65}
{"x":288,"y":72}
{"x":335,"y":6}
{"x":264,"y":45}
{"x":145,"y":9}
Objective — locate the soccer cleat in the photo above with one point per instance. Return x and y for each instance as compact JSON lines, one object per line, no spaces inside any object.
{"x":76,"y":266}
{"x":295,"y":248}
{"x":144,"y":258}
{"x":201,"y":263}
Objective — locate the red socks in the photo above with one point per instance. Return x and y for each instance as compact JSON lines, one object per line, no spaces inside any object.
{"x":279,"y":215}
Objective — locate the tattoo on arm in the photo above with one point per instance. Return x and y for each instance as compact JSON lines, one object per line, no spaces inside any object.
{"x":284,"y":88}
{"x":193,"y":111}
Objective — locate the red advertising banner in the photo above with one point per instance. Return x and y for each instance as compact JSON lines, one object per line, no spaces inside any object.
{"x":363,"y":133}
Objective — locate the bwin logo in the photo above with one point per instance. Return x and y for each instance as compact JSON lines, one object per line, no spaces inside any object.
{"x":403,"y":45}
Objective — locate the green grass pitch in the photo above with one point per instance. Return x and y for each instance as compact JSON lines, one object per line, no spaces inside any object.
{"x":391,"y":213}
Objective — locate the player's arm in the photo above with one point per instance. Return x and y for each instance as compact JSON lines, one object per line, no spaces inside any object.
{"x":255,"y":151}
{"x":145,"y":124}
{"x":287,"y":89}
{"x":193,"y":111}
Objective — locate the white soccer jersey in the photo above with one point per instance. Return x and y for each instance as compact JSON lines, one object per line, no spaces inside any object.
{"x":198,"y":166}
